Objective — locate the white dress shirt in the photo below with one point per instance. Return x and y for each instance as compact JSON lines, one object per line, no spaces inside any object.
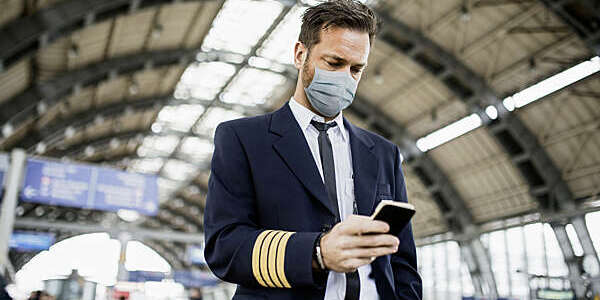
{"x":342,"y":156}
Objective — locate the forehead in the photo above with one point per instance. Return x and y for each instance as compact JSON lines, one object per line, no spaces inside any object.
{"x":351,"y":45}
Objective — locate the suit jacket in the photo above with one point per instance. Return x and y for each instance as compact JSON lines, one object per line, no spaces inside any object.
{"x":267,"y":204}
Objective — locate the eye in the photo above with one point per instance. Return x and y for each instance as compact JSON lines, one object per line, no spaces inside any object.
{"x":356,"y":70}
{"x":333,"y":64}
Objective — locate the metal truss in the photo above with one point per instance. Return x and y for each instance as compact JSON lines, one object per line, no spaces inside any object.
{"x":533,"y":162}
{"x":142,"y":234}
{"x":25,"y":105}
{"x":80,"y":119}
{"x":24,"y":36}
{"x":583,"y":16}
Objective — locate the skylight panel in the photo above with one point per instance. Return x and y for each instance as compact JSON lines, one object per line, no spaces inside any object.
{"x":157,"y":146}
{"x":240,"y":24}
{"x":203,"y":80}
{"x":449,"y":132}
{"x":279,"y":46}
{"x":553,"y":84}
{"x":252,"y":87}
{"x":178,"y":170}
{"x":199,"y":150}
{"x":166,"y":187}
{"x":179,"y":117}
{"x":146,"y":165}
{"x":212,"y":118}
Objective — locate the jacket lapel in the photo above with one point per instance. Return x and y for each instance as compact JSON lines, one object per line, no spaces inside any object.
{"x":366,"y":169}
{"x":291,"y":145}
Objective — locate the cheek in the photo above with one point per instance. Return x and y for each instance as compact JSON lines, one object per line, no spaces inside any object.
{"x":307,"y":75}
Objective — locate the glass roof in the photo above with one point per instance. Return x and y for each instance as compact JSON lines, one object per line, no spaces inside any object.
{"x":231,"y":78}
{"x":153,"y":146}
{"x":196,"y":149}
{"x":179,"y":117}
{"x":240,"y":24}
{"x":279,"y":45}
{"x":212,"y":118}
{"x":252,"y":87}
{"x":178,"y":170}
{"x":203,"y":80}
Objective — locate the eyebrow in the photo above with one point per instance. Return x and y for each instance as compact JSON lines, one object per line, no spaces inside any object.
{"x":340,"y":59}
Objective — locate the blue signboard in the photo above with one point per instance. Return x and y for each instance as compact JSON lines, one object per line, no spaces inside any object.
{"x":195,"y":254}
{"x":143,"y":276}
{"x":86,"y":186}
{"x":3,"y":170}
{"x":31,"y":241}
{"x":195,"y":278}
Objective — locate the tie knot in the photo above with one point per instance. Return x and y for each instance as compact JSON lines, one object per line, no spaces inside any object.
{"x":323,"y":126}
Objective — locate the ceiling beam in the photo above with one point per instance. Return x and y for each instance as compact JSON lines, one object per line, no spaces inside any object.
{"x":532,"y":160}
{"x":80,"y":119}
{"x":80,"y":147}
{"x":23,"y":37}
{"x":50,"y":92}
{"x":583,"y":16}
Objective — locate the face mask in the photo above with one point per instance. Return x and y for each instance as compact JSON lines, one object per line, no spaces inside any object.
{"x":330,"y":92}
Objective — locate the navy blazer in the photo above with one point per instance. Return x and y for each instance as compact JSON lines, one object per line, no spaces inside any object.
{"x":267,"y":204}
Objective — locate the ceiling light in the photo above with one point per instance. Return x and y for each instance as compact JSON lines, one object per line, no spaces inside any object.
{"x":128,"y":215}
{"x":89,"y":151}
{"x":492,"y":112}
{"x":114,"y":143}
{"x":41,"y":107}
{"x":449,"y":132}
{"x":556,"y":82}
{"x":69,"y":132}
{"x":509,"y":103}
{"x":7,"y":130}
{"x":40,"y":148}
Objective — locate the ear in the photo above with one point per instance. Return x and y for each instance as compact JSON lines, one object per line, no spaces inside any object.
{"x":299,"y":55}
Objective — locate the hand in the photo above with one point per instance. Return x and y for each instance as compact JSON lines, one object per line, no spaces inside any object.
{"x":346,"y":247}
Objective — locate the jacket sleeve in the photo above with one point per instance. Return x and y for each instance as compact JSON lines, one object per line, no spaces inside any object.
{"x":404,"y":262}
{"x":237,"y":248}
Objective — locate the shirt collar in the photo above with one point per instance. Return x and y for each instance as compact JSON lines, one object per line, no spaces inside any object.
{"x":304,"y":115}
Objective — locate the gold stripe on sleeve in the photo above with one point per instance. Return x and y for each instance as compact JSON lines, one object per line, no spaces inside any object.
{"x":281,"y":258}
{"x":272,"y":258}
{"x":264,"y":251}
{"x":256,"y":257}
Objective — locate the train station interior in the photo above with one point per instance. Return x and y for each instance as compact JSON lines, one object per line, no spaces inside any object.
{"x":108,"y":110}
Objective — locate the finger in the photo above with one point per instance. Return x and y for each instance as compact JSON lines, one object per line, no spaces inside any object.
{"x":368,"y":253}
{"x":358,"y":225}
{"x":375,"y":240}
{"x":353,"y":224}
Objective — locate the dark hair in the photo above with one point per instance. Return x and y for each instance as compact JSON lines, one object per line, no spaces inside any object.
{"x":349,"y":14}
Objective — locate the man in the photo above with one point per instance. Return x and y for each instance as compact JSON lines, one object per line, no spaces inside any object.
{"x":290,"y":191}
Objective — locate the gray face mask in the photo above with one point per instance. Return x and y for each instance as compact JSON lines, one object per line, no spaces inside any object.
{"x":330,"y":92}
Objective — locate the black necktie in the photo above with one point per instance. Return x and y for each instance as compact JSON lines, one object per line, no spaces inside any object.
{"x":327,"y":162}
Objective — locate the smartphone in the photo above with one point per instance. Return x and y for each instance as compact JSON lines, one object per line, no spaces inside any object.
{"x":396,"y":214}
